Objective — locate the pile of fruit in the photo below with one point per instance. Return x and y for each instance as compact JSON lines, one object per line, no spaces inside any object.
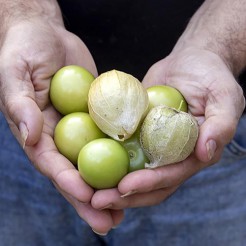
{"x":111,"y":125}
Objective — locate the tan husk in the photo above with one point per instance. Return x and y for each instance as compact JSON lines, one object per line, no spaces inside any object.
{"x":117,"y":102}
{"x":168,"y":136}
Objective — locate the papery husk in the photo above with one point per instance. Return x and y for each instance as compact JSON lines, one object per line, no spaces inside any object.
{"x":168,"y":136}
{"x":117,"y":103}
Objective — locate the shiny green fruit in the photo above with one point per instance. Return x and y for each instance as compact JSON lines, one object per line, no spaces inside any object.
{"x":73,"y":132}
{"x":168,"y":96}
{"x":137,"y":157}
{"x":69,"y":89}
{"x":102,"y":163}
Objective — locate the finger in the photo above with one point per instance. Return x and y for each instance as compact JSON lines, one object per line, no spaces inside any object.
{"x":147,"y":180}
{"x":101,"y":222}
{"x":46,"y":158}
{"x":117,"y":216}
{"x":113,"y":199}
{"x":221,"y":118}
{"x":156,"y":74}
{"x":83,"y":57}
{"x":19,"y":106}
{"x":56,"y":167}
{"x":25,"y":119}
{"x":212,"y":140}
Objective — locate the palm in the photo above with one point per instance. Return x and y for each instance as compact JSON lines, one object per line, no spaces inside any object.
{"x":210,"y":89}
{"x":25,"y":74}
{"x":201,"y":76}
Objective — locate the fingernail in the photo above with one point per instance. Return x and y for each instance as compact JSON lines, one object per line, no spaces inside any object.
{"x":129,"y":193}
{"x":100,"y":233}
{"x":107,"y":206}
{"x":211,"y":148}
{"x":24,"y":133}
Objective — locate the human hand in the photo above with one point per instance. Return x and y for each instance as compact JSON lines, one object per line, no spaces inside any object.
{"x":31,"y":52}
{"x":214,"y":98}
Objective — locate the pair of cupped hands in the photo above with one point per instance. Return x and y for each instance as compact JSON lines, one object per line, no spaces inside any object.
{"x":30,"y":55}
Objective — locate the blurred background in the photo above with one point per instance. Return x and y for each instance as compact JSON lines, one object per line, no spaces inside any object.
{"x":129,"y":35}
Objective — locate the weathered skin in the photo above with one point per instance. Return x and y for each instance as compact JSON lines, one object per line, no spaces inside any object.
{"x":168,"y":136}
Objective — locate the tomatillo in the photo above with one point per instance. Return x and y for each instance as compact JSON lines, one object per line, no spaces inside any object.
{"x":74,"y":131}
{"x":136,"y":154}
{"x":102,"y":163}
{"x":168,"y":96}
{"x":69,"y":89}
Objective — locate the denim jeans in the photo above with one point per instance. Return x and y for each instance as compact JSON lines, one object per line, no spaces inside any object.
{"x":209,"y":209}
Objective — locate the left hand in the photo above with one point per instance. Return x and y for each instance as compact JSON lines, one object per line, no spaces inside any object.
{"x":25,"y":74}
{"x":214,"y":98}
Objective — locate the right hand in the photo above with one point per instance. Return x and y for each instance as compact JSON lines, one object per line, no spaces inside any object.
{"x":214,"y":98}
{"x":31,"y":52}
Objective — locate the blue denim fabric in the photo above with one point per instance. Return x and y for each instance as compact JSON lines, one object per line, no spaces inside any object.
{"x":207,"y":210}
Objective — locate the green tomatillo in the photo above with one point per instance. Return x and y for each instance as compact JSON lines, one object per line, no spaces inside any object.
{"x":137,"y":157}
{"x":74,"y":131}
{"x":69,"y":89}
{"x":168,"y":96}
{"x":102,"y":163}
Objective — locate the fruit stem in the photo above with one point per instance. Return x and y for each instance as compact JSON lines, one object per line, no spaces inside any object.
{"x":180,"y":105}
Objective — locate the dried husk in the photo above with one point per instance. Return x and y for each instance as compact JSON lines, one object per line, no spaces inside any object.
{"x":117,"y":102}
{"x":168,"y":136}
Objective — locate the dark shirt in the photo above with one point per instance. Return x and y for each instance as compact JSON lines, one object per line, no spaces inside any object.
{"x":129,"y":35}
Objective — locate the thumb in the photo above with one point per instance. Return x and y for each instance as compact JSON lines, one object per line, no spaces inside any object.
{"x":214,"y":133}
{"x":223,"y":110}
{"x":23,"y":114}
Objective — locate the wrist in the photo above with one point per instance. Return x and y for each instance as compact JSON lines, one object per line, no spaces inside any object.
{"x":15,"y":11}
{"x":220,"y":29}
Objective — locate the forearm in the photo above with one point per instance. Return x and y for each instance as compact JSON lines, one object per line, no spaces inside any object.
{"x":219,"y":26}
{"x":14,"y":11}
